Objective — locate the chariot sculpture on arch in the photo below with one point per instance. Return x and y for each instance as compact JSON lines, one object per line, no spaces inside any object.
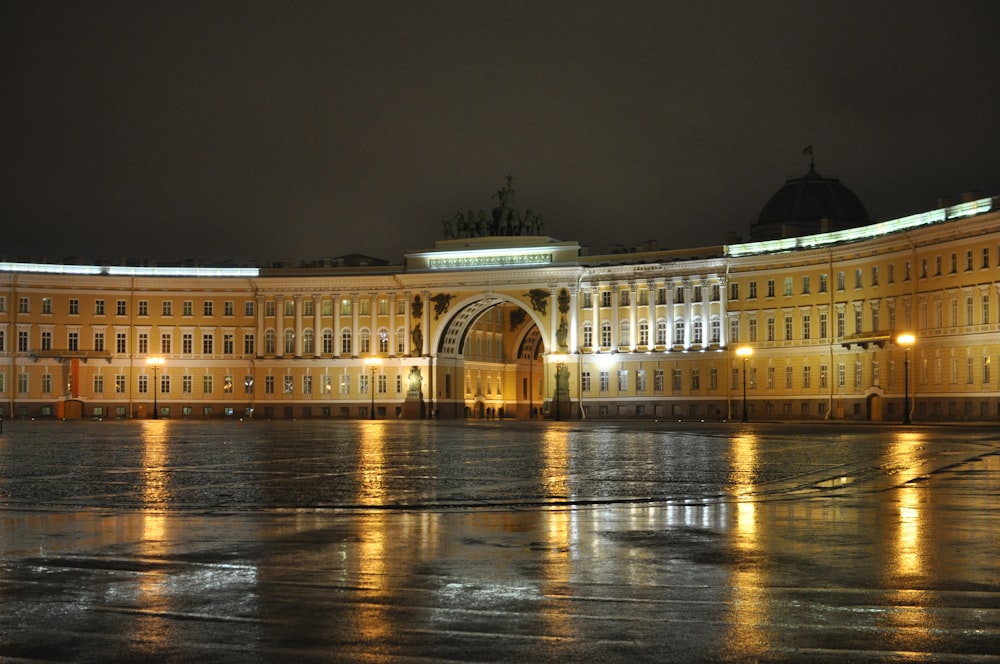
{"x":504,"y":219}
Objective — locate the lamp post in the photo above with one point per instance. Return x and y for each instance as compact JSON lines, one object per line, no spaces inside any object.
{"x":906,"y":340}
{"x":155,"y":363}
{"x":373,"y":363}
{"x":745,"y":352}
{"x":560,"y":363}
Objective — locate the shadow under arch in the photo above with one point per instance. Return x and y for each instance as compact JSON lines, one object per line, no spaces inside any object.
{"x":451,"y":335}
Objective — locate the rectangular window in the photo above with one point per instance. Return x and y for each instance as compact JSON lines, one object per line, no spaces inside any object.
{"x":46,"y":383}
{"x":74,"y":306}
{"x":207,"y":384}
{"x":658,"y":380}
{"x":187,"y":308}
{"x":74,"y":341}
{"x":248,"y":308}
{"x":585,"y":381}
{"x":623,"y":380}
{"x":46,"y":340}
{"x":248,"y":343}
{"x":121,"y":308}
{"x":734,"y":291}
{"x":268,"y":384}
{"x":167,"y":308}
{"x":307,"y":385}
{"x":143,"y":307}
{"x":207,"y":308}
{"x":345,"y":384}
{"x":207,"y":343}
{"x":605,"y":381}
{"x":770,"y":288}
{"x":165,"y":343}
{"x":187,"y":343}
{"x":228,"y":343}
{"x":640,"y":380}
{"x":753,"y":290}
{"x":806,"y":326}
{"x":788,"y":328}
{"x":23,"y":305}
{"x":120,"y":384}
{"x":229,"y":309}
{"x":788,"y":377}
{"x":187,"y":384}
{"x":675,"y":383}
{"x":227,"y":385}
{"x":605,"y":298}
{"x":806,"y":377}
{"x":98,"y":307}
{"x":789,"y":286}
{"x":143,"y":385}
{"x":805,"y":285}
{"x":99,"y":341}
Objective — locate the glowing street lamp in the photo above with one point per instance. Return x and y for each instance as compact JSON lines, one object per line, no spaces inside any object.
{"x":559,"y":360}
{"x":373,"y":363}
{"x":906,"y":340}
{"x":745,"y":352}
{"x":155,"y":363}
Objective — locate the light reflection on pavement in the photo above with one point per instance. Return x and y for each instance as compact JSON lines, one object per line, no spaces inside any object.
{"x":499,"y":541}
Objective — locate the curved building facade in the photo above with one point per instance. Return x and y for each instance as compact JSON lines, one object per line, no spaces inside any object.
{"x":528,"y":326}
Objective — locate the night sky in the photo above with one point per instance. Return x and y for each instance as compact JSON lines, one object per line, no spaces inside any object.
{"x":302,"y":130}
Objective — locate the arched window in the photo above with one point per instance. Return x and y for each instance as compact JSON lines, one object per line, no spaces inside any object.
{"x":605,"y":334}
{"x":679,"y":332}
{"x":588,"y":334}
{"x":661,"y":332}
{"x":269,"y":342}
{"x":644,"y":333}
{"x":289,"y":341}
{"x":327,"y":341}
{"x":365,"y":341}
{"x":383,"y":339}
{"x":400,"y":340}
{"x":308,"y":341}
{"x":716,"y":331}
{"x":696,"y":331}
{"x":626,"y":332}
{"x":345,"y":341}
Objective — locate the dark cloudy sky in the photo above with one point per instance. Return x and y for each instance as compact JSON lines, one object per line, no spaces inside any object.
{"x":299,"y":129}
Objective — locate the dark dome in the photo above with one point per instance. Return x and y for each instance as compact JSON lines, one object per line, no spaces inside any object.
{"x":807,"y":205}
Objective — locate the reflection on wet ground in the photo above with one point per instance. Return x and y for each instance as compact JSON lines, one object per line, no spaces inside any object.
{"x":498,"y":541}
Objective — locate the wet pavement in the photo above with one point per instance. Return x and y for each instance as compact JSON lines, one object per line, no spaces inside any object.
{"x":318,"y":541}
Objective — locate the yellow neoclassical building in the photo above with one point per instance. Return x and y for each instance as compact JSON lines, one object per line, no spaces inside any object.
{"x":499,"y":320}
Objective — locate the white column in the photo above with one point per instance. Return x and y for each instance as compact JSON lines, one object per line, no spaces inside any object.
{"x":259,"y":341}
{"x":298,"y":324}
{"x":633,"y":308}
{"x":574,"y":320}
{"x":279,"y":323}
{"x":317,"y":325}
{"x":336,"y":323}
{"x":355,"y":338}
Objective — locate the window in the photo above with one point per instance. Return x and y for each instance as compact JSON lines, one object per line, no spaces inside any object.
{"x":143,"y":343}
{"x":268,"y":384}
{"x":788,"y":377}
{"x":327,"y":341}
{"x":752,"y":329}
{"x":874,"y":275}
{"x":605,"y":334}
{"x":120,"y":384}
{"x":207,"y":343}
{"x":661,"y":332}
{"x":165,"y":342}
{"x":623,"y":380}
{"x":805,"y":285}
{"x":658,"y":380}
{"x":696,"y":331}
{"x":840,"y":281}
{"x":625,"y":332}
{"x":167,"y":307}
{"x":644,"y":333}
{"x":74,"y":306}
{"x":187,"y":384}
{"x":248,"y":343}
{"x":345,"y":307}
{"x":121,"y":343}
{"x":605,"y":381}
{"x":788,"y":328}
{"x":661,"y":295}
{"x":23,"y":305}
{"x":365,"y":341}
{"x":770,"y":287}
{"x":676,"y":380}
{"x":753,"y":290}
{"x":588,"y":334}
{"x":228,"y":343}
{"x":588,"y":301}
{"x":289,"y":344}
{"x":623,"y":298}
{"x":606,"y":298}
{"x":207,"y":384}
{"x":806,"y":326}
{"x":207,"y":308}
{"x":679,"y":331}
{"x":585,"y":381}
{"x":345,"y":341}
{"x":187,"y":343}
{"x":734,"y":291}
{"x":383,"y":340}
{"x":789,"y":286}
{"x":806,"y":376}
{"x":228,"y":308}
{"x":47,"y":305}
{"x":46,"y":340}
{"x":679,"y":295}
{"x":143,"y":307}
{"x":248,"y":308}
{"x":822,"y":283}
{"x":98,"y":307}
{"x":769,"y":322}
{"x":640,"y":380}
